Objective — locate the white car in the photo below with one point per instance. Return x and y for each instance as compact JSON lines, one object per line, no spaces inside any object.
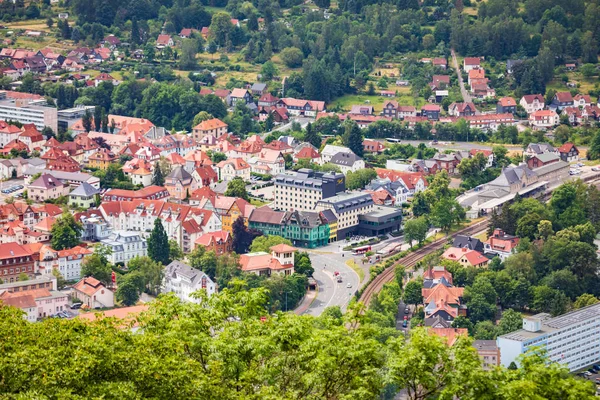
{"x":349,"y":285}
{"x":595,"y":169}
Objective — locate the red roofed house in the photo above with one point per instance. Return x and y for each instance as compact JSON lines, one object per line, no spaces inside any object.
{"x":474,"y":75}
{"x":562,"y":100}
{"x":443,"y":300}
{"x":431,"y":111}
{"x":501,"y":244}
{"x":213,"y":127}
{"x":568,"y":152}
{"x":23,"y":301}
{"x":506,"y":105}
{"x":373,"y":146}
{"x":15,"y":260}
{"x":152,"y":192}
{"x":413,"y":181}
{"x":17,"y":145}
{"x":204,"y":176}
{"x":582,"y":100}
{"x":280,"y":261}
{"x":308,"y":152}
{"x":102,"y":159}
{"x":450,"y":335}
{"x":8,"y":133}
{"x":440,"y":62}
{"x":164,"y":41}
{"x":233,"y":167}
{"x":92,"y":293}
{"x":462,"y":109}
{"x":470,"y":63}
{"x":466,"y":257}
{"x":532,"y":102}
{"x":220,"y":242}
{"x":31,"y":137}
{"x":486,"y":153}
{"x":544,"y":119}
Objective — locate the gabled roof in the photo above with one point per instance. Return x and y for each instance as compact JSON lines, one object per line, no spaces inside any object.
{"x":565,"y":148}
{"x":84,"y":190}
{"x":507,"y":102}
{"x":210,"y":124}
{"x":89,"y":286}
{"x":46,"y":181}
{"x":564,"y":97}
{"x":529,"y":98}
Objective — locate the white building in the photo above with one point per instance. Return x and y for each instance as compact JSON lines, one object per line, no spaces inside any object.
{"x":302,"y":190}
{"x":28,"y":112}
{"x":347,"y":207}
{"x":570,"y":339}
{"x":233,"y":168}
{"x":91,"y":292}
{"x":184,"y":280}
{"x":544,"y":119}
{"x":348,"y":162}
{"x":125,"y":245}
{"x":24,"y":301}
{"x":330,"y":150}
{"x":532,"y":102}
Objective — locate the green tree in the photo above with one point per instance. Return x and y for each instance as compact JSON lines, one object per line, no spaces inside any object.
{"x":237,"y":188}
{"x":292,"y":57}
{"x":511,"y":321}
{"x":303,"y":264}
{"x":220,"y":28}
{"x":152,"y":272}
{"x":65,"y":232}
{"x":585,"y":300}
{"x":268,"y":71}
{"x":158,"y":243}
{"x":127,"y":290}
{"x":187,"y":59}
{"x":463,"y":322}
{"x":175,"y":252}
{"x":201,"y":116}
{"x":412,"y":292}
{"x":416,"y":230}
{"x":157,"y":176}
{"x":360,"y":178}
{"x":96,"y":265}
{"x":312,"y":136}
{"x":485,"y":330}
{"x":264,"y":243}
{"x":353,"y":138}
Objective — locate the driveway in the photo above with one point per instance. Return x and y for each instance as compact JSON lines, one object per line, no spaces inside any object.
{"x":466,"y":96}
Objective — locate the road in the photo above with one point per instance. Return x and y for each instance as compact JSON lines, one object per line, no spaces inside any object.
{"x":463,"y":91}
{"x":303,"y":121}
{"x":331,"y":293}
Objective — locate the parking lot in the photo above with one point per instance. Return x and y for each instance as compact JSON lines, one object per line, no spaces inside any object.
{"x":12,"y":188}
{"x":594,"y":377}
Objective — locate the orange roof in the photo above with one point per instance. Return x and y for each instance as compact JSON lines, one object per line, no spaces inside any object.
{"x":210,"y":124}
{"x":442,"y":294}
{"x":88,"y":286}
{"x":450,"y":334}
{"x":410,"y":179}
{"x":18,"y":300}
{"x":175,"y":159}
{"x":507,"y":102}
{"x":283,"y":248}
{"x":11,"y":250}
{"x":45,"y":225}
{"x":208,"y":238}
{"x":437,"y":273}
{"x":128,"y":314}
{"x":565,"y":148}
{"x":477,"y":74}
{"x":75,"y":251}
{"x":237,"y":163}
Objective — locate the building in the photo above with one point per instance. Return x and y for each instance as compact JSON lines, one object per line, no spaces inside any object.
{"x":462,"y":109}
{"x":84,"y":196}
{"x":380,"y":221}
{"x":544,"y":119}
{"x":568,"y":152}
{"x":184,"y":280}
{"x":373,"y":146}
{"x":489,"y":353}
{"x":23,"y":301}
{"x":431,"y":111}
{"x":46,"y":187}
{"x":102,"y":159}
{"x":95,"y":228}
{"x":280,"y":261}
{"x":148,"y":193}
{"x":124,"y":246}
{"x":69,"y":262}
{"x":539,"y":160}
{"x":330,"y":150}
{"x":532,"y":102}
{"x":240,"y":96}
{"x":303,"y":189}
{"x":72,"y":178}
{"x":15,"y":260}
{"x":561,"y":100}
{"x":506,"y":105}
{"x":347,"y":207}
{"x":570,"y":339}
{"x":348,"y":162}
{"x":93,"y":294}
{"x":308,"y":108}
{"x":28,"y":111}
{"x":211,"y":127}
{"x":470,"y":63}
{"x":467,"y":242}
{"x":233,"y":168}
{"x":501,"y":244}
{"x":179,"y":183}
{"x":466,"y":257}
{"x":164,"y":41}
{"x":220,"y":241}
{"x":539,"y":148}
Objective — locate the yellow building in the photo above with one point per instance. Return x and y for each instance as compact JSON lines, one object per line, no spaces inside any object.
{"x":230,"y":209}
{"x":102,"y":159}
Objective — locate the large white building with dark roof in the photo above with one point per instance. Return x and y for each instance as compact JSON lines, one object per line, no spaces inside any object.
{"x":303,"y":189}
{"x":184,"y":280}
{"x":571,"y":339}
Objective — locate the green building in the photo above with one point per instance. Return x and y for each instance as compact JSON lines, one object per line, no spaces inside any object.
{"x":303,"y":228}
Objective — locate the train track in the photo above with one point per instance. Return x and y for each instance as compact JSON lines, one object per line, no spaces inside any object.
{"x":412,"y":259}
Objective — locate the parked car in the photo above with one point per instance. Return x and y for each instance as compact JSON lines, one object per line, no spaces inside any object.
{"x":595,"y":169}
{"x":404,"y":323}
{"x":76,"y":306}
{"x":587,"y":373}
{"x":339,"y":279}
{"x":406,"y":310}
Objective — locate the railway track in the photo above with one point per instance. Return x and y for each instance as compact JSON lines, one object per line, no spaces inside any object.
{"x":412,"y":259}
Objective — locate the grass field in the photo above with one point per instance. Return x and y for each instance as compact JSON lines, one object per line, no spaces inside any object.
{"x":404,"y":98}
{"x":357,"y":269}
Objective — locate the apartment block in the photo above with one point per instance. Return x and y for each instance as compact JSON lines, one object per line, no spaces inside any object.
{"x":304,"y":189}
{"x":28,"y":112}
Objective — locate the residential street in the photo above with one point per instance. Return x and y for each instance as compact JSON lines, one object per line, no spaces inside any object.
{"x":463,"y":91}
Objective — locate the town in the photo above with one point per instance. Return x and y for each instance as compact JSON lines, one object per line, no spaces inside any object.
{"x":300,"y":199}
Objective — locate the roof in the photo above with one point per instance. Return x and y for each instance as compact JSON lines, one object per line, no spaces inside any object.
{"x":564,"y":97}
{"x":485,"y":345}
{"x":128,"y":314}
{"x":546,"y":157}
{"x":210,"y":124}
{"x":507,"y":102}
{"x":529,"y":98}
{"x":163,"y":39}
{"x":437,"y":273}
{"x":89,"y":286}
{"x":283,"y":248}
{"x":565,"y":148}
{"x":46,"y":181}
{"x":180,"y":174}
{"x":450,"y":334}
{"x":85,"y":189}
{"x":430,"y":107}
{"x":539,"y":148}
{"x":18,"y":300}
{"x":472,"y":61}
{"x":345,"y":159}
{"x":345,"y":202}
{"x":208,"y":238}
{"x":463,"y":241}
{"x":239,"y":93}
{"x":258,"y":86}
{"x":266,"y":215}
{"x":179,"y":268}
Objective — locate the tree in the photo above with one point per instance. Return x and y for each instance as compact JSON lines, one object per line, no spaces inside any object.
{"x":360,"y":178}
{"x":585,"y":300}
{"x":86,"y":121}
{"x":187,"y":60}
{"x":237,"y":188}
{"x":152,"y":272}
{"x":96,"y":265}
{"x":292,"y":57}
{"x":157,"y":176}
{"x":128,"y":291}
{"x":594,"y":150}
{"x":158,"y":243}
{"x":511,"y":321}
{"x":49,"y":22}
{"x":200,"y":117}
{"x":175,"y":252}
{"x":463,"y":322}
{"x":220,"y":29}
{"x":312,"y":136}
{"x":353,"y":138}
{"x":97,"y":118}
{"x":242,"y":236}
{"x":65,"y":232}
{"x":303,"y":264}
{"x":264,"y":243}
{"x":412,"y":292}
{"x":485,"y":330}
{"x":416,"y":230}
{"x":268,"y":71}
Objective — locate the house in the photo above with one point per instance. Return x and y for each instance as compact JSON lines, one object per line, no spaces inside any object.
{"x":466,"y":257}
{"x":361,"y":110}
{"x":561,"y":100}
{"x":539,"y":160}
{"x":468,"y":242}
{"x":124,"y":246}
{"x":23,"y":301}
{"x":69,"y":262}
{"x":233,"y":167}
{"x":309,"y":153}
{"x":431,"y":111}
{"x":440,"y":62}
{"x":280,"y":261}
{"x":476,"y":76}
{"x":539,"y":148}
{"x":439,"y":82}
{"x":544,"y":119}
{"x":462,"y":109}
{"x":414,"y":181}
{"x":471,"y":63}
{"x":571,"y":67}
{"x":532,"y":102}
{"x":164,"y":41}
{"x":179,"y":183}
{"x":186,"y":33}
{"x":258,"y":89}
{"x":183,"y":280}
{"x":111,"y":41}
{"x":268,"y":161}
{"x":568,"y":152}
{"x":102,"y":159}
{"x":220,"y":242}
{"x":92,"y":293}
{"x":488,"y":352}
{"x":47,"y":302}
{"x":444,"y":301}
{"x":373,"y":146}
{"x":501,"y":244}
{"x":46,"y":187}
{"x":488,"y":154}
{"x":582,"y":100}
{"x":151,"y":192}
{"x":348,"y":162}
{"x":390,"y":109}
{"x":267,"y":100}
{"x":308,"y":108}
{"x":506,"y":105}
{"x":205,"y":176}
{"x":240,"y":95}
{"x":15,"y":259}
{"x":213,"y":127}
{"x":230,"y":209}
{"x":84,"y":196}
{"x":406,"y":111}
{"x":573,"y":114}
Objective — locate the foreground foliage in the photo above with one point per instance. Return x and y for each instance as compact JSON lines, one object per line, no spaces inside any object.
{"x":228,"y":347}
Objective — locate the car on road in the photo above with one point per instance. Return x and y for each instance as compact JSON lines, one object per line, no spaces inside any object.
{"x":406,"y":310}
{"x":349,"y":285}
{"x":339,"y":279}
{"x":404,"y":323}
{"x":574,"y":172}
